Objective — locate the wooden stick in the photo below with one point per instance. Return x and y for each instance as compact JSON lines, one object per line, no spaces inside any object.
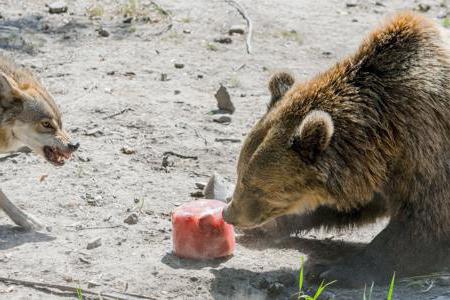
{"x":244,"y":14}
{"x":19,"y":217}
{"x":47,"y":287}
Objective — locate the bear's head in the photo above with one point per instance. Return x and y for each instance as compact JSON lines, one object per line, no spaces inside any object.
{"x":279,"y":169}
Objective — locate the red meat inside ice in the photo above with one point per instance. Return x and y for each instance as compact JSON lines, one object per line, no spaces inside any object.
{"x":199,"y":231}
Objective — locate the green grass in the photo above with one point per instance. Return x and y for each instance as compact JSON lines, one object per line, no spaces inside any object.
{"x":211,"y":47}
{"x":391,"y":288}
{"x":319,"y":291}
{"x":446,"y":22}
{"x":79,"y":294}
{"x":322,"y":287}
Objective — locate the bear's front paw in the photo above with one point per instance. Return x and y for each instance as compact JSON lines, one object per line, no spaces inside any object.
{"x":344,"y":274}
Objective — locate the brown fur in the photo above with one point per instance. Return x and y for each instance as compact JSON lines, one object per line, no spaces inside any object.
{"x":386,"y":155}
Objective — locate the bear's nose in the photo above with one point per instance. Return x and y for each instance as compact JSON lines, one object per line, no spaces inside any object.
{"x":73,"y":146}
{"x":227,"y":216}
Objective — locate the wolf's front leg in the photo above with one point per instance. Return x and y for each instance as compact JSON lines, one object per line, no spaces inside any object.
{"x":28,"y":222}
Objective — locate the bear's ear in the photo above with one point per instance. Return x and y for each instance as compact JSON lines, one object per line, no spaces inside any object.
{"x":279,"y":84}
{"x":313,"y":135}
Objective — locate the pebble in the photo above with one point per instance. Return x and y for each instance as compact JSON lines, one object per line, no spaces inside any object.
{"x":128,"y":20}
{"x":131,"y":219}
{"x":276,"y":289}
{"x":103,"y":33}
{"x":223,"y":100}
{"x":351,"y":3}
{"x":163,"y":77}
{"x":222,"y":120}
{"x":177,"y":92}
{"x":217,"y":188}
{"x":223,"y":40}
{"x":236,"y":29}
{"x":197,"y":194}
{"x":423,"y":7}
{"x":94,"y":132}
{"x":200,"y":185}
{"x":95,"y":243}
{"x":200,"y":76}
{"x":127,"y":150}
{"x":178,"y":65}
{"x":92,"y":284}
{"x":57,"y":7}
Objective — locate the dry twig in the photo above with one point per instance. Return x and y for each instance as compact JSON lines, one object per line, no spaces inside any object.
{"x":244,"y":14}
{"x":70,"y":290}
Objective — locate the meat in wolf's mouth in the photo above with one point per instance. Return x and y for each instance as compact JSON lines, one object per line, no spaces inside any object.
{"x":55,"y":155}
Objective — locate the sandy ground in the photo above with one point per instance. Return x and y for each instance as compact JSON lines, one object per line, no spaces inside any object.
{"x":94,"y":77}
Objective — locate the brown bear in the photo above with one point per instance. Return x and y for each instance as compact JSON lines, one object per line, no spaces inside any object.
{"x":368,"y":138}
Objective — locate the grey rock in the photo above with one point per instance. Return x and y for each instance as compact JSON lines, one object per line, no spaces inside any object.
{"x":218,"y":188}
{"x":58,"y":7}
{"x":222,"y":120}
{"x":236,"y":29}
{"x":132,"y":219}
{"x":223,"y":40}
{"x":95,"y":243}
{"x":276,"y":289}
{"x":163,"y":77}
{"x":103,"y":33}
{"x":178,"y":65}
{"x":423,"y":7}
{"x":223,"y":100}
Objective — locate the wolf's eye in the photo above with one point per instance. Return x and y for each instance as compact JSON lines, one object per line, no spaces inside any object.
{"x":47,"y":124}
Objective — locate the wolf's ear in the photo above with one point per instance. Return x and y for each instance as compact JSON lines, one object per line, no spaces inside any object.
{"x":11,"y":98}
{"x":313,"y":136}
{"x":279,"y":84}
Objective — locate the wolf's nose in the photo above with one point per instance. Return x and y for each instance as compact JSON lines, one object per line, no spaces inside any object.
{"x":73,"y":146}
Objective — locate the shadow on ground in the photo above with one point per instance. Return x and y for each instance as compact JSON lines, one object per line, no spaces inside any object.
{"x":179,"y":263}
{"x":13,"y":236}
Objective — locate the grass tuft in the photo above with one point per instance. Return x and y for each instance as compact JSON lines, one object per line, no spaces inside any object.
{"x":319,"y":291}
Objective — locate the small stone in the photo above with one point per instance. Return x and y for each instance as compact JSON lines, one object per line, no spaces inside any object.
{"x":67,"y":278}
{"x":92,"y":284}
{"x":83,"y":158}
{"x":223,"y":100}
{"x":236,"y":29}
{"x":103,"y":33}
{"x":95,"y":243}
{"x":423,"y":7}
{"x":197,"y":194}
{"x":132,"y":219}
{"x":351,"y":3}
{"x":178,"y":65}
{"x":223,"y":40}
{"x":186,"y":31}
{"x":200,"y":76}
{"x":193,"y":279}
{"x":222,"y":120}
{"x":163,"y":77}
{"x":217,"y":188}
{"x":127,"y":150}
{"x":94,"y":132}
{"x":200,"y":185}
{"x":276,"y":289}
{"x":58,"y":7}
{"x":177,"y":92}
{"x":243,"y":95}
{"x":128,"y":20}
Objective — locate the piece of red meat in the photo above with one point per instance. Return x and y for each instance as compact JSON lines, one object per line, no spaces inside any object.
{"x":199,"y":231}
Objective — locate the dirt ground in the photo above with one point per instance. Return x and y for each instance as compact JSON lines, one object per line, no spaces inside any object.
{"x":94,"y":77}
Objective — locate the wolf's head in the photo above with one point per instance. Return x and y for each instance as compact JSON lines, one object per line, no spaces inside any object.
{"x":30,"y":116}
